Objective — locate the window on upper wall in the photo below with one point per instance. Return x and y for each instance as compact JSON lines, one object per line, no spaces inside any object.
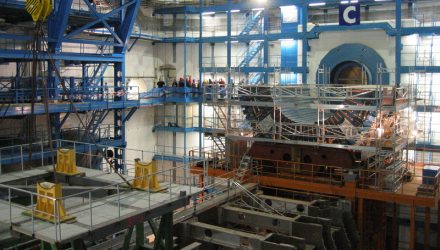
{"x":289,"y":14}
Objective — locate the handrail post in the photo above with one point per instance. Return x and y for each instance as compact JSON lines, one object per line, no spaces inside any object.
{"x":119,"y":202}
{"x":54,"y":218}
{"x":32,"y":215}
{"x":90,"y":207}
{"x":10,"y":206}
{"x":21,"y":157}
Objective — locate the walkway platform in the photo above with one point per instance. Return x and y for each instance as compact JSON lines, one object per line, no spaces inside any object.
{"x":95,"y":217}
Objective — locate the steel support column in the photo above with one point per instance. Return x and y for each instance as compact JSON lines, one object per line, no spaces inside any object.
{"x":123,"y":32}
{"x":78,"y":244}
{"x":395,"y":227}
{"x":412,"y":228}
{"x":305,"y":45}
{"x":140,"y":235}
{"x":119,"y":118}
{"x":185,"y":72}
{"x":427,"y":230}
{"x":127,"y":238}
{"x":360,"y":221}
{"x":47,"y":246}
{"x":398,"y":51}
{"x":57,"y":24}
{"x":438,"y":224}
{"x":200,"y":80}
{"x":164,"y":236}
{"x":228,"y":45}
{"x":266,"y":44}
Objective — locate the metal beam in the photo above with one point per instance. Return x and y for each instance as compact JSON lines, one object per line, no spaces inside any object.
{"x":308,"y":228}
{"x":412,"y":228}
{"x":126,"y":27}
{"x":164,"y":235}
{"x":57,"y":23}
{"x":238,"y":240}
{"x":427,"y":229}
{"x":26,"y":55}
{"x":130,"y":114}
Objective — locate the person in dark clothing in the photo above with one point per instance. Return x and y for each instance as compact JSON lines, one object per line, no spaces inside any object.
{"x":181,"y":82}
{"x":175,"y":83}
{"x":160,"y":84}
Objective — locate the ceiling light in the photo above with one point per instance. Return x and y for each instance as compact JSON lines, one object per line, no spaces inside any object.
{"x":316,"y":4}
{"x":235,"y":11}
{"x":208,"y":13}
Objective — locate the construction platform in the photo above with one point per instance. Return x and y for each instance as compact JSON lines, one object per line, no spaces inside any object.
{"x":96,"y":214}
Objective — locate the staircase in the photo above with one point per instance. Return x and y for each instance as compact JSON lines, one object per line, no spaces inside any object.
{"x":252,"y":22}
{"x":244,"y":167}
{"x":256,"y":78}
{"x":256,"y":201}
{"x":96,"y":119}
{"x":219,"y":143}
{"x":96,"y":73}
{"x":250,"y":53}
{"x":221,"y":118}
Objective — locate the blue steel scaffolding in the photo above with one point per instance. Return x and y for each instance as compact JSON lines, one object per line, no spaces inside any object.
{"x":67,"y":24}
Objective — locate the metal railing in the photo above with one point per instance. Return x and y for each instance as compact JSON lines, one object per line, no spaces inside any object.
{"x":84,"y":209}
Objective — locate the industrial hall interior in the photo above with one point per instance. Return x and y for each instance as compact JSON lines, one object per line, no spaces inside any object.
{"x":219,"y":124}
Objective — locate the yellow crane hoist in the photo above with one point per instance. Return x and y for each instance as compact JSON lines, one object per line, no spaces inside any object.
{"x":39,"y":9}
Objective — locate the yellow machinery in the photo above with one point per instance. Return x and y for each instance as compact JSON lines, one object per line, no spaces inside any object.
{"x":39,"y":9}
{"x":66,"y":162}
{"x":49,"y":206}
{"x":145,"y":176}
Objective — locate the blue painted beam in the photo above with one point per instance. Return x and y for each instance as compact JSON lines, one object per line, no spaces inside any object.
{"x":100,"y":19}
{"x":175,"y":158}
{"x":427,"y":147}
{"x":428,"y":108}
{"x":57,"y":22}
{"x":15,"y":157}
{"x":242,"y":5}
{"x":177,"y":10}
{"x":15,"y":38}
{"x":315,"y":31}
{"x":74,"y":13}
{"x":175,"y":129}
{"x":26,"y":55}
{"x":180,"y":40}
{"x":423,"y":31}
{"x":305,"y":43}
{"x":427,"y":69}
{"x":312,"y":34}
{"x":398,"y":42}
{"x":253,"y":69}
{"x":126,"y":26}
